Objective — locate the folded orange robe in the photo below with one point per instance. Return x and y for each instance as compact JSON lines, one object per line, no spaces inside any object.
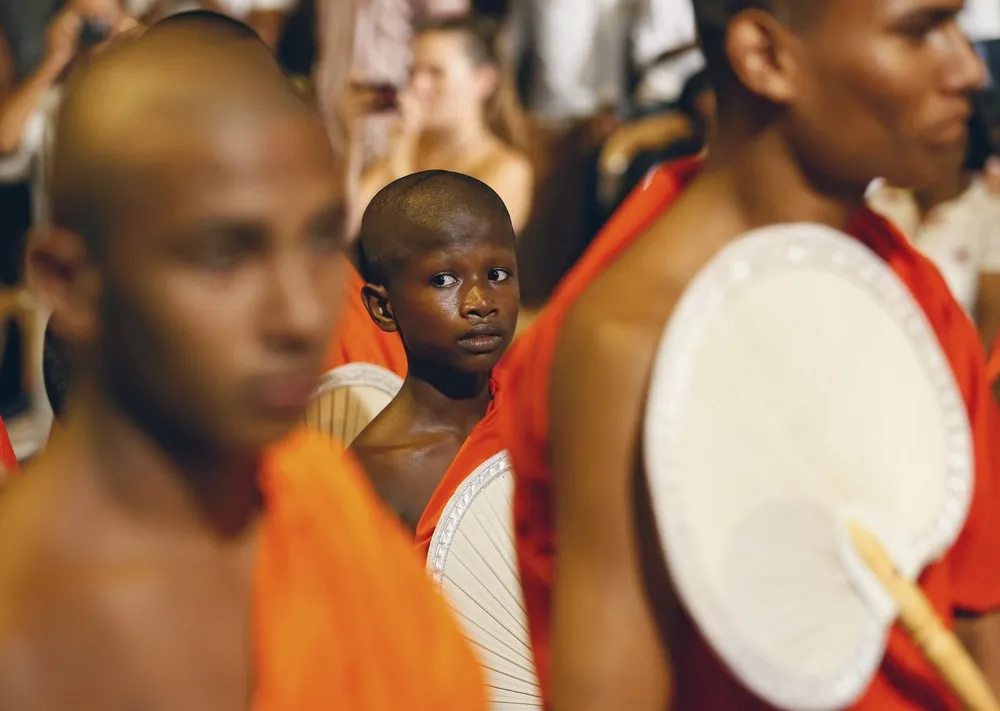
{"x":968,"y":578}
{"x":344,"y":616}
{"x":358,"y":339}
{"x":8,"y":460}
{"x":483,"y":442}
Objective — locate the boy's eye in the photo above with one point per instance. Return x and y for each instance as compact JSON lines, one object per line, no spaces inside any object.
{"x":443,"y":280}
{"x":499,"y":275}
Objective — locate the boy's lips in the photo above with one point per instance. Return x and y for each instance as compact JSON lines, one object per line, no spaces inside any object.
{"x":483,"y":338}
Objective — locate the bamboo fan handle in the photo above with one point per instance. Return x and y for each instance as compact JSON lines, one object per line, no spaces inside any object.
{"x":939,"y":645}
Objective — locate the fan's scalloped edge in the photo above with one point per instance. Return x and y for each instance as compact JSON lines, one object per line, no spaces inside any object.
{"x":352,"y":375}
{"x":766,"y":250}
{"x":451,"y":518}
{"x":456,"y":508}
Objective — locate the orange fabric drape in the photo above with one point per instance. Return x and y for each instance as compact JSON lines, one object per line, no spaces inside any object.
{"x":344,"y":616}
{"x":485,"y":440}
{"x":7,"y":457}
{"x":993,"y":364}
{"x":358,"y":339}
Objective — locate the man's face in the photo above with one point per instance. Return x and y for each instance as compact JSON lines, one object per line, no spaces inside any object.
{"x":883,"y":90}
{"x":220,"y":295}
{"x":457,"y":306}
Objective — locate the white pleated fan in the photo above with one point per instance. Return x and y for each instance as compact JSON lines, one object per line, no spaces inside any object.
{"x":800,"y":407}
{"x":349,"y":397}
{"x":473,"y":560}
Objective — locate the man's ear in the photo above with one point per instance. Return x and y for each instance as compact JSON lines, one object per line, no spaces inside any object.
{"x":66,"y":280}
{"x":376,"y":298}
{"x":760,"y":50}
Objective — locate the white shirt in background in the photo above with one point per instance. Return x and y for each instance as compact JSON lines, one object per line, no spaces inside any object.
{"x":30,"y":160}
{"x":961,"y":237}
{"x":659,"y":26}
{"x":981,"y":19}
{"x":580,"y":62}
{"x":237,"y":8}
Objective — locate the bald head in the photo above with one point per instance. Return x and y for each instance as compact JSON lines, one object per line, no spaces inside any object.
{"x":424,"y":212}
{"x":143,"y":97}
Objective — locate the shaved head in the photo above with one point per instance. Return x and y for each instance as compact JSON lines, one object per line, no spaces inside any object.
{"x":200,"y":214}
{"x":136,"y":102}
{"x":423,"y":212}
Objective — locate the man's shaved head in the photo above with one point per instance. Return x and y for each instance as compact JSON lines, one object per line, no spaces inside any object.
{"x":201,"y":213}
{"x":126,"y":104}
{"x":426,"y":211}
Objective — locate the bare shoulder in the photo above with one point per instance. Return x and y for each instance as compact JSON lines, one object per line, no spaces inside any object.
{"x":612,"y":332}
{"x":378,"y":447}
{"x":508,"y":167}
{"x":39,"y":615}
{"x":606,"y":347}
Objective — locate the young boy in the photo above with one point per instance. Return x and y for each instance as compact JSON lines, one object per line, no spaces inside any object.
{"x":439,"y":256}
{"x":176,"y":546}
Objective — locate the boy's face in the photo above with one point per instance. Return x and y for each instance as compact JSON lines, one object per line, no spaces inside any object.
{"x":456,"y":305}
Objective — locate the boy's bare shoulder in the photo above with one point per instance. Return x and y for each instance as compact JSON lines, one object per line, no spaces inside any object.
{"x":380,"y":447}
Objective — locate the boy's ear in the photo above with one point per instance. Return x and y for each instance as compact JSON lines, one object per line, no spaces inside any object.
{"x":376,"y":298}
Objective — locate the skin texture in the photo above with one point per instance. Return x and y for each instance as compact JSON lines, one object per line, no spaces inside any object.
{"x":196,"y":279}
{"x":443,"y":124}
{"x":450,"y":250}
{"x":807,"y":117}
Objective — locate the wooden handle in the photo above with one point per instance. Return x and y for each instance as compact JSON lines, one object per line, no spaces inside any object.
{"x":939,"y":645}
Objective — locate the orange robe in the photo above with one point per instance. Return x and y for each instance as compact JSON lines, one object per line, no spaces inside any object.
{"x":968,"y":578}
{"x":8,"y":460}
{"x":358,"y":339}
{"x":993,"y":364}
{"x":344,"y":616}
{"x":483,"y":442}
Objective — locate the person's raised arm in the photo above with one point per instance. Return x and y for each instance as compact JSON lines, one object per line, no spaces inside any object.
{"x":7,"y":79}
{"x":63,"y":38}
{"x":607,"y":653}
{"x":401,"y":156}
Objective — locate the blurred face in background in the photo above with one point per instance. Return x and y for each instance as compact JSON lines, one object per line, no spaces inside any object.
{"x":451,"y":87}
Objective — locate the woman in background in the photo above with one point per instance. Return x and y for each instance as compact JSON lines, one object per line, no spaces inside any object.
{"x":459,"y":113}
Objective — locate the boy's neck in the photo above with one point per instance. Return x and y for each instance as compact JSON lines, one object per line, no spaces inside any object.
{"x":138,"y":476}
{"x":440,"y":397}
